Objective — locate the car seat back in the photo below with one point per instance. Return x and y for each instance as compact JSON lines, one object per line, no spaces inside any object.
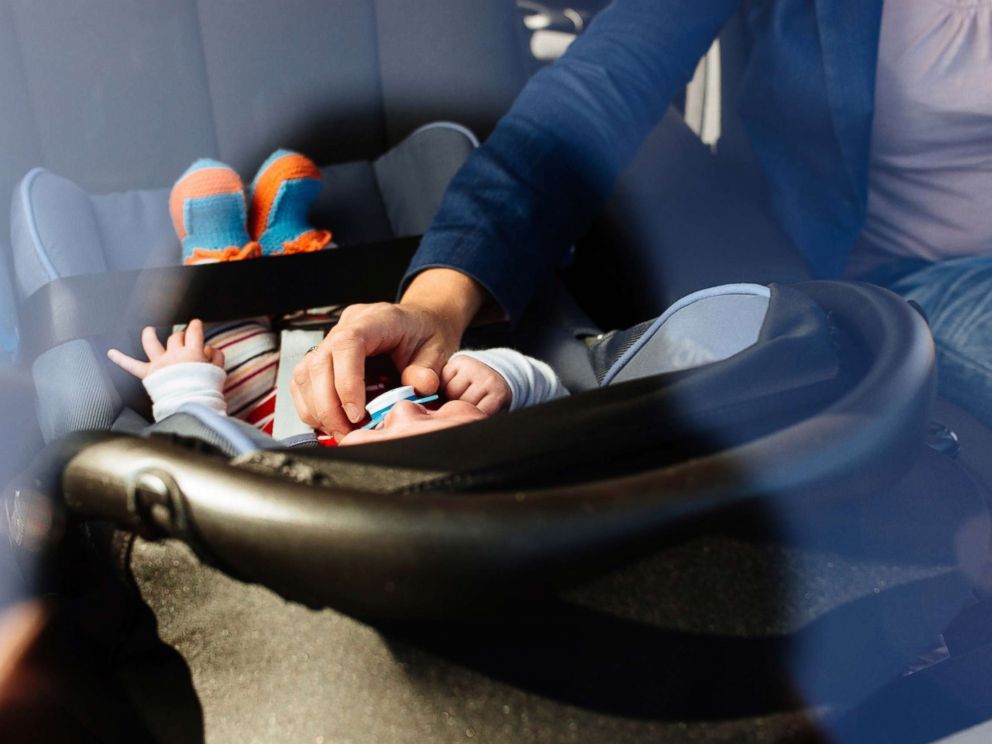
{"x":110,"y":103}
{"x":119,"y":97}
{"x":61,"y":231}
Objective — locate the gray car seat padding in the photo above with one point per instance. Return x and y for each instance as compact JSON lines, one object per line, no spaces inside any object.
{"x":59,"y":230}
{"x":706,"y":326}
{"x":409,"y":197}
{"x":74,"y":390}
{"x":117,"y":98}
{"x":124,"y":97}
{"x":228,"y":435}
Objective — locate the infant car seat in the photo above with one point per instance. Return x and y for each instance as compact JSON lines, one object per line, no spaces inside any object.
{"x":824,"y":399}
{"x":816,"y":389}
{"x":807,"y":394}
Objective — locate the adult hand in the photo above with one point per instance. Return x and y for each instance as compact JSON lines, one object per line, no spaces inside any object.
{"x":419,"y":333}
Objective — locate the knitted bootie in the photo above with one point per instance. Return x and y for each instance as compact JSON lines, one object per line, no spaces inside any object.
{"x":281,"y":195}
{"x":207,"y":205}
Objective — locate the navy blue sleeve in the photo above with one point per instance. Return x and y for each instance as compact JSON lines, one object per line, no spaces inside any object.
{"x":533,"y":188}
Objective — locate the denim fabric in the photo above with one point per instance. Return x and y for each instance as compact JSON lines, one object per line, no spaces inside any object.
{"x":956,"y":296}
{"x":535,"y":185}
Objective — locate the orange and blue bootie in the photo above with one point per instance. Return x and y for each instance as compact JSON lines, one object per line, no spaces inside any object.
{"x":208,"y":210}
{"x":281,"y":195}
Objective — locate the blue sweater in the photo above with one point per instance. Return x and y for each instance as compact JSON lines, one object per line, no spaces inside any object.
{"x":807,"y":99}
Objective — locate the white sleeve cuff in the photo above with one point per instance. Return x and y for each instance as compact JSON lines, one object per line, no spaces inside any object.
{"x":530,"y":381}
{"x":189,"y":382}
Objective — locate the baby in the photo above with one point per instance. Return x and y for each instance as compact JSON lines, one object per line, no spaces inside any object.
{"x":231,"y":367}
{"x":218,"y":219}
{"x":187,"y":369}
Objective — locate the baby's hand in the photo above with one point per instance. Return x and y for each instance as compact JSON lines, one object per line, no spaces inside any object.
{"x":182,"y":346}
{"x":468,"y":379}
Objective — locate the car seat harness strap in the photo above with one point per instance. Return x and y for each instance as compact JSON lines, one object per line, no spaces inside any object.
{"x":92,"y":305}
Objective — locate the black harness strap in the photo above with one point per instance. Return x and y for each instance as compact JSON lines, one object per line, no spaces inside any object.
{"x":91,"y":305}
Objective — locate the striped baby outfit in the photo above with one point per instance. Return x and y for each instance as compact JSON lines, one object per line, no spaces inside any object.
{"x":251,"y":361}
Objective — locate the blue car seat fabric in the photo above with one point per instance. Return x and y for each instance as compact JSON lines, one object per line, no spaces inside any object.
{"x":706,"y":326}
{"x":229,"y":435}
{"x":58,"y":230}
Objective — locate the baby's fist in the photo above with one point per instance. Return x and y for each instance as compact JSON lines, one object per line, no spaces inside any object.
{"x":467,"y":379}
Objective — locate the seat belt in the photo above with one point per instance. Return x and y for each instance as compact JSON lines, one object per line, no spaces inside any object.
{"x":91,"y":305}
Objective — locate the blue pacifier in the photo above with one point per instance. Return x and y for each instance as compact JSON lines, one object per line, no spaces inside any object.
{"x":383,"y":404}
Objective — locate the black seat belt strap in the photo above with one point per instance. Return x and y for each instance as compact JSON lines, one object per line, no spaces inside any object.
{"x":91,"y":305}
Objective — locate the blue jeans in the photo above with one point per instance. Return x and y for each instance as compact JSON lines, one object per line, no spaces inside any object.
{"x":956,"y":295}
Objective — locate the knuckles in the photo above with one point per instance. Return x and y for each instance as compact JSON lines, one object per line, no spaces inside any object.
{"x":344,"y":339}
{"x":317,"y":361}
{"x":350,"y":312}
{"x":324,"y":414}
{"x":301,"y":373}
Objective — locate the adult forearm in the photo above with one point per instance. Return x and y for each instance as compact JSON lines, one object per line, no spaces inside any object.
{"x":512,"y":211}
{"x":451,"y":296}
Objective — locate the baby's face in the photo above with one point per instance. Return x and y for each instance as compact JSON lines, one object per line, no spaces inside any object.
{"x":407,"y":419}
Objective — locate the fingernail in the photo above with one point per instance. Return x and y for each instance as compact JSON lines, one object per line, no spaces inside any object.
{"x":353,"y":413}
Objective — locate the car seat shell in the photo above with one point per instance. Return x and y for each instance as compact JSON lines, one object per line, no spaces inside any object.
{"x":432,"y":552}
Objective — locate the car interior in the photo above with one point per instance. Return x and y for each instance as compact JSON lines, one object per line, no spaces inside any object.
{"x":787,"y":543}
